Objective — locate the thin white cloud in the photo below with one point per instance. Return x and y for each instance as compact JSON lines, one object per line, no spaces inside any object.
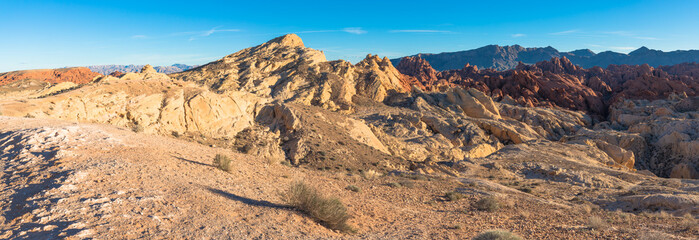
{"x":139,"y":37}
{"x":629,"y":34}
{"x":318,"y":31}
{"x":566,"y":32}
{"x":518,"y":35}
{"x":214,"y":30}
{"x":620,"y":33}
{"x":354,"y":30}
{"x":622,"y":48}
{"x":419,"y":31}
{"x":205,"y":33}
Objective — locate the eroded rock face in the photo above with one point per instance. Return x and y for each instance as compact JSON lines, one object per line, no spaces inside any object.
{"x":646,"y":82}
{"x":148,"y":103}
{"x":79,"y":75}
{"x":284,"y":69}
{"x":671,"y":129}
{"x":559,"y":83}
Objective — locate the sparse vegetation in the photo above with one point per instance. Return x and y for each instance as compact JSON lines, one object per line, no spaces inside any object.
{"x":454,"y":227}
{"x":526,"y":189}
{"x":222,"y":162}
{"x":489,"y":204}
{"x":497,"y":235}
{"x":353,"y":188}
{"x":454,"y":196}
{"x":598,"y":223}
{"x":414,"y":176}
{"x":689,"y":223}
{"x":137,"y":128}
{"x":331,"y":212}
{"x":652,"y":236}
{"x":586,"y":208}
{"x":370,"y":174}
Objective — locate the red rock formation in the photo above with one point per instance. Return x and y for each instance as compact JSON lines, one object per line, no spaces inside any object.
{"x":558,"y":82}
{"x":77,"y":75}
{"x":420,"y":69}
{"x":645,"y":82}
{"x":686,"y":69}
{"x":117,"y":74}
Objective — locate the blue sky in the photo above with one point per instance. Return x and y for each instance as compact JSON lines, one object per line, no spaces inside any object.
{"x":51,"y":34}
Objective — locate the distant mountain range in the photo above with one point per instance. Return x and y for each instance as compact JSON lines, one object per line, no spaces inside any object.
{"x":507,"y":57}
{"x":107,"y":69}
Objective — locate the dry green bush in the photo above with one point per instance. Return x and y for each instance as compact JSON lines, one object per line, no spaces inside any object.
{"x":497,"y":235}
{"x":370,"y":174}
{"x":598,"y":223}
{"x":328,"y":211}
{"x":454,"y":196}
{"x":137,"y":128}
{"x":222,"y":162}
{"x":489,"y":204}
{"x":353,"y":188}
{"x":689,"y":223}
{"x":653,"y":235}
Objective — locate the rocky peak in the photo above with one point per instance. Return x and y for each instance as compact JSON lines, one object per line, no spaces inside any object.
{"x":558,"y":66}
{"x":284,"y":69}
{"x":640,"y":50}
{"x":289,"y":40}
{"x":148,"y":69}
{"x":418,"y":68}
{"x":583,"y":53}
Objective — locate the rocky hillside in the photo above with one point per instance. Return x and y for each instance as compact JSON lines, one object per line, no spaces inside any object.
{"x":77,"y":75}
{"x":108,"y":69}
{"x":284,"y":69}
{"x":558,"y":82}
{"x":508,"y":57}
{"x":397,"y":148}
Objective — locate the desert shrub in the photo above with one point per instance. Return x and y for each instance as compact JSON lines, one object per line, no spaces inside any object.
{"x":370,"y":174}
{"x":689,"y":223}
{"x":137,"y":128}
{"x":353,"y":188}
{"x":328,"y":211}
{"x":454,"y":196}
{"x":526,"y":189}
{"x":222,"y":162}
{"x":415,"y":177}
{"x":489,"y":204}
{"x":597,"y":223}
{"x":497,"y":235}
{"x":652,"y":235}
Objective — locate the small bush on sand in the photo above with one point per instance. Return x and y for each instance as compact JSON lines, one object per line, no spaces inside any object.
{"x":137,"y":128}
{"x":597,"y":223}
{"x":328,"y":211}
{"x":353,"y":188}
{"x":370,"y":174}
{"x":653,"y":235}
{"x":497,"y":235}
{"x":222,"y":162}
{"x":454,"y":196}
{"x":489,"y":204}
